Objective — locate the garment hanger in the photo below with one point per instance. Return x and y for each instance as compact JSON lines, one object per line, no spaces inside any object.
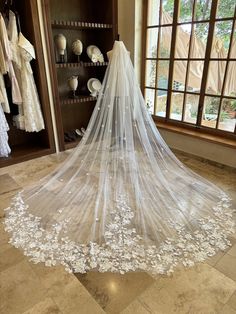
{"x":18,"y":21}
{"x":11,"y":5}
{"x":6,"y":9}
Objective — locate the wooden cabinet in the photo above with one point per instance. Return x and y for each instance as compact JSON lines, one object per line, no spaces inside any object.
{"x":27,"y":145}
{"x":94,"y":23}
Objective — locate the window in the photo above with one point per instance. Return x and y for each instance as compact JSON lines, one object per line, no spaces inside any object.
{"x":189,"y":67}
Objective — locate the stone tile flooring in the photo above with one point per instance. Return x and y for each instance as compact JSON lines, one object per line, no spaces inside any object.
{"x":26,"y":288}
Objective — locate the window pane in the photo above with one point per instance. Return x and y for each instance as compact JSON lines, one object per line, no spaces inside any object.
{"x":161,"y":98}
{"x":198,"y":47}
{"x":220,"y":45}
{"x":153,"y":12}
{"x":176,"y":107}
{"x":215,"y":77}
{"x":233,"y":47}
{"x":203,"y":10}
{"x":225,"y":8}
{"x":167,"y":11}
{"x":195,"y":75}
{"x":162,"y":74}
{"x":191,"y":108}
{"x":230,"y":83}
{"x":185,"y":12}
{"x":150,"y":73}
{"x":182,"y":41}
{"x":179,"y":75}
{"x":165,"y":41}
{"x":149,"y":97}
{"x":152,"y":34}
{"x":210,"y":111}
{"x":228,"y":115}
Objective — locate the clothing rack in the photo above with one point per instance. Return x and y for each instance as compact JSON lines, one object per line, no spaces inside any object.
{"x":28,"y":145}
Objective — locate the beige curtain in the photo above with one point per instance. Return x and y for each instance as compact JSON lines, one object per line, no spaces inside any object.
{"x":216,"y":69}
{"x":181,"y":51}
{"x":230,"y":86}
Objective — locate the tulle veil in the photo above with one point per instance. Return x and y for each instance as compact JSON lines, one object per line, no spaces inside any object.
{"x":121,"y":201}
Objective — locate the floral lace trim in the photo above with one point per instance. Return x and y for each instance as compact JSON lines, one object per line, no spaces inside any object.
{"x":123,"y":250}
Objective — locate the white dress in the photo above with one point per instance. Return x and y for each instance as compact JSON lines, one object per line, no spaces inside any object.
{"x":4,"y":105}
{"x":4,"y":147}
{"x":7,"y":63}
{"x":3,"y":95}
{"x":30,"y":116}
{"x":3,"y":70}
{"x":31,"y":105}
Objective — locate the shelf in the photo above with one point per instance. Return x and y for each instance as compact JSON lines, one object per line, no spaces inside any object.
{"x":22,"y":153}
{"x":80,"y":99}
{"x":80,"y":64}
{"x":93,"y":23}
{"x":69,"y":145}
{"x":79,"y":25}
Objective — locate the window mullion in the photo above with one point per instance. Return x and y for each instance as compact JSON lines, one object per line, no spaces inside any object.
{"x":189,"y":54}
{"x":158,"y":49}
{"x":226,"y":70}
{"x":207,"y":61}
{"x":144,"y":48}
{"x":172,"y":55}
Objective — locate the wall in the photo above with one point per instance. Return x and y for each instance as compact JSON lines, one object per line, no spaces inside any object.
{"x":46,"y":60}
{"x":130,"y":30}
{"x":126,"y":22}
{"x":215,"y":152}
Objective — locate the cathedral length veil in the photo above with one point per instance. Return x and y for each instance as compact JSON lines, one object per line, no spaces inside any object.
{"x":121,"y":201}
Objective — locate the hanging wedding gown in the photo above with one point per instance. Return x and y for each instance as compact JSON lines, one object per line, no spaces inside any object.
{"x":4,"y":147}
{"x":7,"y":62}
{"x":4,"y":104}
{"x":30,"y":116}
{"x":3,"y":95}
{"x":122,"y":201}
{"x":3,"y":70}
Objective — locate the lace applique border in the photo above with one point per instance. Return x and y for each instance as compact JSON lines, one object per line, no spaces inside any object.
{"x":123,"y":250}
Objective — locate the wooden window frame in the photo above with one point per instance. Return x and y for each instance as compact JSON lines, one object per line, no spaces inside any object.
{"x":211,"y":21}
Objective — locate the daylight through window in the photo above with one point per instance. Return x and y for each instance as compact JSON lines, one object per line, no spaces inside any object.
{"x":190,"y":63}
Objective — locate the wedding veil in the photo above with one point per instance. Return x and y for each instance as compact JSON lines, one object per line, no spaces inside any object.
{"x":121,"y":201}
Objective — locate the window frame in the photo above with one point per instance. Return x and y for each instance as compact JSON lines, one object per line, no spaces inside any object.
{"x":202,"y":93}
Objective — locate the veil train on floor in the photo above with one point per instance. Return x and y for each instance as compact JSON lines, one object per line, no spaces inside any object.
{"x":121,"y":201}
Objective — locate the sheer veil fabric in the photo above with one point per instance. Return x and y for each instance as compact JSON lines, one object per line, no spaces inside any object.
{"x":121,"y":201}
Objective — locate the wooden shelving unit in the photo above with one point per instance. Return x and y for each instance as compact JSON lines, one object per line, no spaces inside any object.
{"x":24,"y":152}
{"x":80,"y":99}
{"x":70,"y":145}
{"x":79,"y":25}
{"x":80,"y":64}
{"x":25,"y":145}
{"x":94,"y":23}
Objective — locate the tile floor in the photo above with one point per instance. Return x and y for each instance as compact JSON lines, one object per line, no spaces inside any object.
{"x":26,"y":288}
